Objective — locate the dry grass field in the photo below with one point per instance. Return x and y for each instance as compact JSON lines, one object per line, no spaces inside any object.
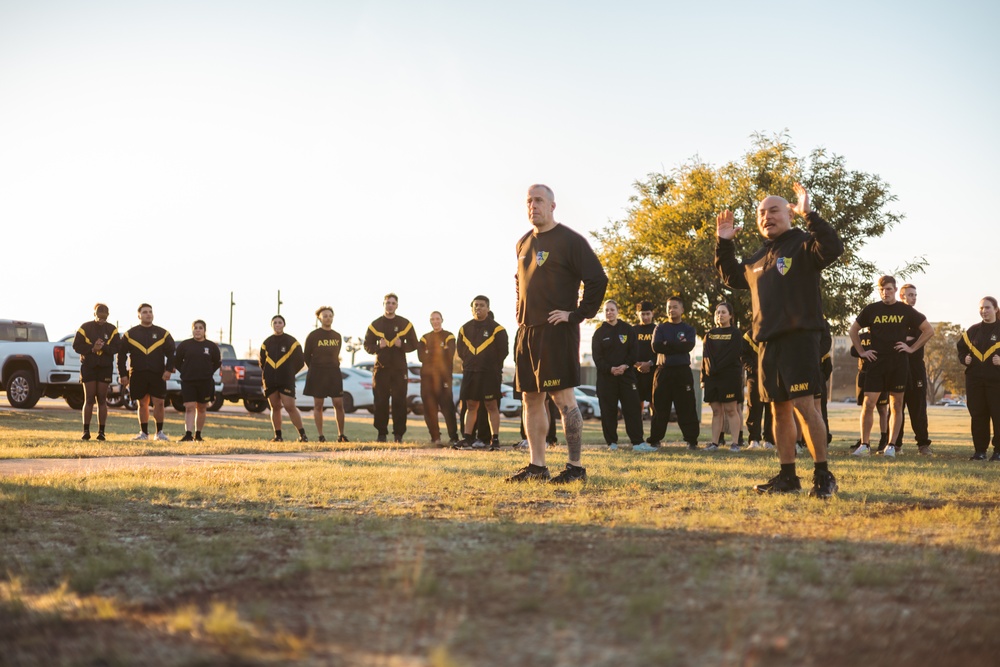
{"x":410,"y":555}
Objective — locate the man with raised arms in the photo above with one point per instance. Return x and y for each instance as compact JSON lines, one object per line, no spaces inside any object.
{"x":783,"y":277}
{"x":552,"y":261}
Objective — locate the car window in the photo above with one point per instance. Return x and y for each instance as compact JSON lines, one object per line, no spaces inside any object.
{"x":228,"y":352}
{"x":23,"y":331}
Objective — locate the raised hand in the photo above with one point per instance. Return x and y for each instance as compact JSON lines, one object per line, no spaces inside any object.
{"x":801,"y":207}
{"x":724,"y":226}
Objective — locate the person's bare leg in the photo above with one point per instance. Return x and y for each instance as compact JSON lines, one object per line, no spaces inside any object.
{"x":717,"y":418}
{"x":868,"y":416}
{"x":813,"y":429}
{"x":471,"y":415}
{"x":536,"y":424}
{"x":318,"y":414}
{"x":784,"y":431}
{"x":89,"y":399}
{"x":190,"y":409}
{"x":493,"y":410}
{"x":200,"y":416}
{"x":102,"y":403}
{"x":732,"y":412}
{"x":338,"y":407}
{"x":274,"y":400}
{"x":157,"y":410}
{"x":293,"y":412}
{"x":565,"y":400}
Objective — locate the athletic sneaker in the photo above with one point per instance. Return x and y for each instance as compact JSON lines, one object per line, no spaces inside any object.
{"x":862,"y":450}
{"x":755,"y":445}
{"x":321,"y":438}
{"x":978,"y":456}
{"x":462,"y":444}
{"x":398,"y":440}
{"x":780,"y":483}
{"x":924,"y":450}
{"x":890,"y":452}
{"x":569,"y":474}
{"x":100,"y":437}
{"x":277,"y":438}
{"x":824,"y":484}
{"x":613,"y":447}
{"x":479,"y":445}
{"x":342,"y":438}
{"x":495,"y":444}
{"x":187,"y":438}
{"x":644,"y":447}
{"x":996,"y":455}
{"x":198,"y":438}
{"x":522,"y":445}
{"x":768,"y":445}
{"x":380,"y":438}
{"x":711,"y":447}
{"x":451,"y":442}
{"x":160,"y":435}
{"x":692,"y":445}
{"x":141,"y":436}
{"x":303,"y":438}
{"x":530,"y":472}
{"x":86,"y":436}
{"x":734,"y":447}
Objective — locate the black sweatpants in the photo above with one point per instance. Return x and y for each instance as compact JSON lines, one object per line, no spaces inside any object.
{"x":674,"y":386}
{"x":389,"y":384}
{"x":436,"y":394}
{"x":612,"y":389}
{"x":983,"y":399}
{"x":757,"y":411}
{"x":915,"y":403}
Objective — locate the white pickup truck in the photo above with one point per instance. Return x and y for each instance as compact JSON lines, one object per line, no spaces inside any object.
{"x":31,"y":366}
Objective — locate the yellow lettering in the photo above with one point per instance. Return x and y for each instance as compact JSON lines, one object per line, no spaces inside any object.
{"x":328,"y":342}
{"x":802,"y":386}
{"x":551,"y":383}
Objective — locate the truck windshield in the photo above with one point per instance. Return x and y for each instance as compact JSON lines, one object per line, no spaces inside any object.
{"x":23,"y":331}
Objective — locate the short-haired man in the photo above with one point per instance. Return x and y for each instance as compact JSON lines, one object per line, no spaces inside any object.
{"x":614,"y":350}
{"x":389,"y":338}
{"x":321,"y":355}
{"x":482,"y":346}
{"x":197,"y":359}
{"x":915,"y":396}
{"x":145,"y":363}
{"x":645,"y":358}
{"x":552,"y":261}
{"x":436,"y":352}
{"x":783,"y":277}
{"x":97,"y":343}
{"x":673,"y":383}
{"x":889,"y":321}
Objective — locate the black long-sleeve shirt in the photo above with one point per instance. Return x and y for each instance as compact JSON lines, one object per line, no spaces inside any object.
{"x":721,"y":352}
{"x":87,"y":335}
{"x":982,"y":343}
{"x":322,"y":348}
{"x":748,"y":354}
{"x":644,"y":342}
{"x":436,"y":352}
{"x":197,"y":359}
{"x":482,"y":345}
{"x":550,"y":268}
{"x":614,"y":345}
{"x":390,"y":329}
{"x":280,"y":359}
{"x":783,"y":277}
{"x":673,"y":343}
{"x":146,"y":349}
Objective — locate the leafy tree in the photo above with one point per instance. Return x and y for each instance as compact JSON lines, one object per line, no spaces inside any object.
{"x":666,"y":244}
{"x":944,"y":371}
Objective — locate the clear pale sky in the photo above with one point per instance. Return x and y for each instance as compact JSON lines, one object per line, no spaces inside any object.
{"x":174,"y":152}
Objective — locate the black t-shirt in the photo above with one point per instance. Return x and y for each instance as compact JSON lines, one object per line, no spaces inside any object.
{"x":889,"y":324}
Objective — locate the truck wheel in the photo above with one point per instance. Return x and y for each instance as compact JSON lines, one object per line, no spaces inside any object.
{"x":117,"y":400}
{"x":23,"y":390}
{"x":177,"y":402}
{"x":74,"y":399}
{"x":216,"y":405}
{"x":349,"y":403}
{"x":254,"y":405}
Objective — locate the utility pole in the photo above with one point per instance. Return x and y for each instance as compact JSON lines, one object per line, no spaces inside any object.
{"x":231,"y":304}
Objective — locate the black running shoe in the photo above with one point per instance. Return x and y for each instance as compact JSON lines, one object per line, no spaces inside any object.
{"x":100,"y":437}
{"x":342,"y":438}
{"x":780,"y":483}
{"x":996,"y":455}
{"x":692,"y":445}
{"x":978,"y":456}
{"x":277,"y":438}
{"x":303,"y":438}
{"x":321,"y":438}
{"x":198,"y":438}
{"x":398,"y":441}
{"x":495,"y":444}
{"x":530,"y":472}
{"x":824,"y":484}
{"x":569,"y":474}
{"x":85,"y":436}
{"x":187,"y":438}
{"x":381,"y":438}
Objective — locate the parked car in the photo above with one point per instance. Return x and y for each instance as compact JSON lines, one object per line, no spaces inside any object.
{"x":590,"y":407}
{"x":242,"y":380}
{"x":952,"y":403}
{"x":413,"y":386}
{"x":32,"y":367}
{"x":357,"y":390}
